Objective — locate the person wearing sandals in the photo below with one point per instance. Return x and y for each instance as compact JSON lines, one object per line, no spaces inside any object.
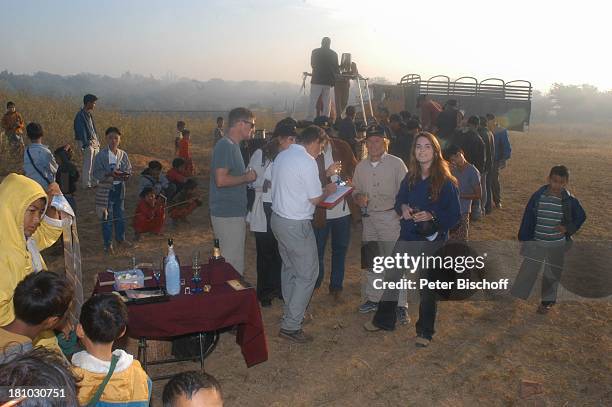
{"x":428,"y":203}
{"x":108,"y":377}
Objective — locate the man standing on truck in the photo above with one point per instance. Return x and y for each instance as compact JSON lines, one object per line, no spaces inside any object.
{"x":325,"y":69}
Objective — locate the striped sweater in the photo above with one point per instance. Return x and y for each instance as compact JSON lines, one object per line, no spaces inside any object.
{"x":548,"y":218}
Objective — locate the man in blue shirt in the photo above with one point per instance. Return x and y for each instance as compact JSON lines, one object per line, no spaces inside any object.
{"x":85,"y":134}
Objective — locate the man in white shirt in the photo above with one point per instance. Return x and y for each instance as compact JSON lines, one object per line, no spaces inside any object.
{"x":296,"y":190}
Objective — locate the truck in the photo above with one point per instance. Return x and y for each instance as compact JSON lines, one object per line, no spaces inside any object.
{"x":509,"y":101}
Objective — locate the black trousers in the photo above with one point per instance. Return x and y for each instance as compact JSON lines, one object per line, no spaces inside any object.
{"x":269,"y":262}
{"x":386,"y":316}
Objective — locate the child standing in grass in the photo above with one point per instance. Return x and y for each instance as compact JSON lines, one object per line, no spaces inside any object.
{"x":180,"y":126}
{"x":103,"y":320}
{"x":551,"y":217}
{"x":67,"y":173}
{"x":185,"y":153}
{"x":468,"y":178}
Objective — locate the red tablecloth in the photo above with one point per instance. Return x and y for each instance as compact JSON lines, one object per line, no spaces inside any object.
{"x":184,"y":314}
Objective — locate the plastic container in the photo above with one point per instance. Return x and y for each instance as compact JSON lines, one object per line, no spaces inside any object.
{"x":129,"y":280}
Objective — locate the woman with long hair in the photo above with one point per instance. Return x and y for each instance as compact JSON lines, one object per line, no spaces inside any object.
{"x":269,"y":262}
{"x":428,"y":203}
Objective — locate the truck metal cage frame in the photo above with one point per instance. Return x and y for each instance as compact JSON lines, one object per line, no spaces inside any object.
{"x":509,"y":101}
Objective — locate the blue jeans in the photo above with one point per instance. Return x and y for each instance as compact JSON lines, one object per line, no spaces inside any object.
{"x":341,"y":235}
{"x":114,"y":216}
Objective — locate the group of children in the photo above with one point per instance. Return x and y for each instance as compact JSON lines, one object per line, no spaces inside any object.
{"x":175,"y":191}
{"x":97,"y":375}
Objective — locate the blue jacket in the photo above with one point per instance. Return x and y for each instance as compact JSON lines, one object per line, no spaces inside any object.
{"x":446,"y":209}
{"x":84,"y":131}
{"x":502,"y":144}
{"x":573,"y":215}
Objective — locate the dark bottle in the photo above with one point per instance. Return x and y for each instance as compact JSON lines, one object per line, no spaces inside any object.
{"x":216,"y":254}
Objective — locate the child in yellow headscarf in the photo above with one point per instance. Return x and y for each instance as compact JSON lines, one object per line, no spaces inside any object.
{"x":29,"y":225}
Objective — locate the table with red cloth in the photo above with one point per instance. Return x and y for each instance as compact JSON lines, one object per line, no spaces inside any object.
{"x":193,"y":313}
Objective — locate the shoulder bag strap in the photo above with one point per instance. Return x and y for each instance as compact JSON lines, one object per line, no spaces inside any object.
{"x":102,"y":386}
{"x":35,"y":167}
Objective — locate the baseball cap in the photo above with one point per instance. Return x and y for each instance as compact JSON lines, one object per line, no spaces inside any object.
{"x":376,"y":130}
{"x":322,"y":121}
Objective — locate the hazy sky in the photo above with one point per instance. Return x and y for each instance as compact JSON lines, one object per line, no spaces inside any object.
{"x":538,"y":40}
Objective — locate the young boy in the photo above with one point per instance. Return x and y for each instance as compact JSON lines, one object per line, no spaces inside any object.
{"x":468,"y":178}
{"x":551,"y":217}
{"x":180,"y":126}
{"x":67,"y":173}
{"x":38,"y":161}
{"x":150,"y":214}
{"x":112,"y":168}
{"x":152,"y":177}
{"x":218,"y":134}
{"x":176,"y":176}
{"x":13,"y":126}
{"x":185,"y":153}
{"x":103,"y":320}
{"x":40,"y":302}
{"x":192,"y":388}
{"x":184,"y":202}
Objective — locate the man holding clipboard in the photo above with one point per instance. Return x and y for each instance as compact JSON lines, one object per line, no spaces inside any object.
{"x":296,"y":190}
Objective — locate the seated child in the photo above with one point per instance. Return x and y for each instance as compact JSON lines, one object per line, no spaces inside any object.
{"x":67,"y":173}
{"x":176,"y":176}
{"x":153,"y":177}
{"x":185,"y":153}
{"x":150,"y":213}
{"x":103,"y":320}
{"x":184,"y":202}
{"x":192,"y":388}
{"x":40,"y":302}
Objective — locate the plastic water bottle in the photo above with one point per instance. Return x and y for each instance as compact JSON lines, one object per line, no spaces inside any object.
{"x":173,"y":271}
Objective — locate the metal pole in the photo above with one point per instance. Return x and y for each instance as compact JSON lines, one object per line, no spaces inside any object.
{"x":365,"y":118}
{"x":369,"y":97}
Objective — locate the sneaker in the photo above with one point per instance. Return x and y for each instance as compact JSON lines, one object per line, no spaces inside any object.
{"x":368,"y":306}
{"x":296,"y":336}
{"x":267,"y":302}
{"x":336,"y":293}
{"x":125,"y":243}
{"x":109,"y":250}
{"x":421,"y":342}
{"x":544,"y":308}
{"x":402,"y":315}
{"x":370,"y":327}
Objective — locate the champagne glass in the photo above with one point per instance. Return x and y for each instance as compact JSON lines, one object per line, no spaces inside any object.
{"x":157,"y":272}
{"x":364,"y":209}
{"x":195,"y":268}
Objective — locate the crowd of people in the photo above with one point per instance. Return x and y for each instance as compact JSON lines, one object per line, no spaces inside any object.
{"x":417,"y":178}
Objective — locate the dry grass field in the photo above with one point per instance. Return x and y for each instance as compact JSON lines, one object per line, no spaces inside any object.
{"x":482,"y":350}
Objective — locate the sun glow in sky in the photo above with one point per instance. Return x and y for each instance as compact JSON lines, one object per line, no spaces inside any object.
{"x":538,"y":40}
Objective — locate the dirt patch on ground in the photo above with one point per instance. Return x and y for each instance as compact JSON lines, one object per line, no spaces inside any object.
{"x":482,"y":350}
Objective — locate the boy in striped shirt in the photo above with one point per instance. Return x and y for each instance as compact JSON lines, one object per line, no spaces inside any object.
{"x":551,"y":217}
